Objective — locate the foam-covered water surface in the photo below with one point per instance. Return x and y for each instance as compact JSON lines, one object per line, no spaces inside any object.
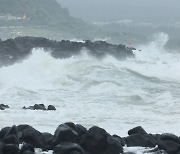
{"x":113,"y":94}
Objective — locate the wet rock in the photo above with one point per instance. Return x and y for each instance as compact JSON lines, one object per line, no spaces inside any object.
{"x":11,"y":139}
{"x":169,"y":146}
{"x":34,"y":137}
{"x":80,"y":129}
{"x":4,"y":131}
{"x":39,"y":107}
{"x":13,"y":130}
{"x":172,"y":137}
{"x":113,"y":146}
{"x":140,"y":140}
{"x":95,"y":140}
{"x":28,"y":108}
{"x":1,"y":147}
{"x":123,"y":143}
{"x":51,"y":107}
{"x":3,"y":106}
{"x":9,"y":135}
{"x":21,"y":128}
{"x":65,"y":133}
{"x":10,"y":149}
{"x":157,"y":137}
{"x":26,"y":148}
{"x":67,"y":148}
{"x":48,"y":138}
{"x":137,"y":130}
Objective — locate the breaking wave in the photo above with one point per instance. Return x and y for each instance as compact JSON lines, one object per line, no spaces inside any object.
{"x":91,"y":91}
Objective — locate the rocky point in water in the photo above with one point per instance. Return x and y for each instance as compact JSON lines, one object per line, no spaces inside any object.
{"x":14,"y":50}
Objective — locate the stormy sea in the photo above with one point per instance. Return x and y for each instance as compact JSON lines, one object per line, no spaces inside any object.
{"x":110,"y":93}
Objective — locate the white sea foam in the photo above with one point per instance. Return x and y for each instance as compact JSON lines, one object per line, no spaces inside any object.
{"x":116,"y":95}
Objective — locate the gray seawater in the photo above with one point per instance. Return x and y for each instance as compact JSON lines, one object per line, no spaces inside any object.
{"x":113,"y":94}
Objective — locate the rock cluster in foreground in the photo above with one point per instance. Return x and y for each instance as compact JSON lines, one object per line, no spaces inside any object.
{"x":14,"y":50}
{"x":70,"y":138}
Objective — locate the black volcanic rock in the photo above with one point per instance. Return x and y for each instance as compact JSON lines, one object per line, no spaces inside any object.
{"x":4,"y":131}
{"x":65,"y":133}
{"x":114,"y":146}
{"x":11,"y":139}
{"x":169,"y":146}
{"x":40,"y":107}
{"x":95,"y":140}
{"x":10,"y":149}
{"x":13,"y":130}
{"x":67,"y":148}
{"x":140,"y":140}
{"x":70,"y":138}
{"x":137,"y":130}
{"x":26,"y":147}
{"x":172,"y":137}
{"x":51,"y":107}
{"x":3,"y":106}
{"x":14,"y":50}
{"x":33,"y":137}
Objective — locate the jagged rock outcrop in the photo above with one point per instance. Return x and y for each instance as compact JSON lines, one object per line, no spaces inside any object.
{"x":14,"y":50}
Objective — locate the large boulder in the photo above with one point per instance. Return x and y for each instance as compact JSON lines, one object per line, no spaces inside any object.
{"x":48,"y":138}
{"x":65,"y":133}
{"x":95,"y":140}
{"x":33,"y":137}
{"x":172,"y":137}
{"x":169,"y":146}
{"x":169,"y":143}
{"x":113,"y":146}
{"x":51,"y":107}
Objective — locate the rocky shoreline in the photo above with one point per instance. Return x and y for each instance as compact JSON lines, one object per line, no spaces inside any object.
{"x":71,"y":138}
{"x":15,"y":50}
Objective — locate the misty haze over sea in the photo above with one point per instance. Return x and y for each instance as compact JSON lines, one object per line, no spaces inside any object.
{"x":139,"y":17}
{"x":139,"y":10}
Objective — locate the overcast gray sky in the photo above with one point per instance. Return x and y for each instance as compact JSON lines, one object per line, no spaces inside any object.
{"x":109,"y":10}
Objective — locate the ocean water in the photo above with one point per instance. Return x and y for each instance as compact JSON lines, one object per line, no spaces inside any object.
{"x":113,"y":94}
